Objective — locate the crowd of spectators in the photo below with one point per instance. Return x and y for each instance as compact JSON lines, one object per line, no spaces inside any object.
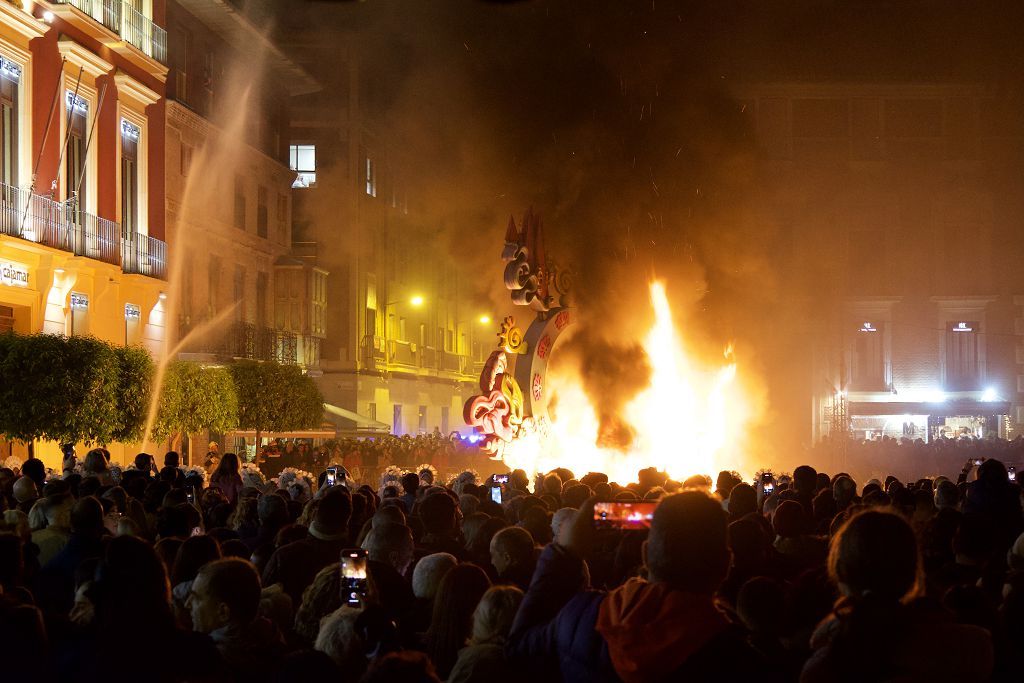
{"x":152,"y":574}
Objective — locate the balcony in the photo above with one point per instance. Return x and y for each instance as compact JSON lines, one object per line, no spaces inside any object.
{"x":247,"y":340}
{"x":63,"y":226}
{"x":121,"y":17}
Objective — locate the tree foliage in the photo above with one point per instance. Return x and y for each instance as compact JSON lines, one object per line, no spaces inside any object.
{"x":134,"y":391}
{"x":59,"y":388}
{"x":276,"y":398}
{"x":194,"y":399}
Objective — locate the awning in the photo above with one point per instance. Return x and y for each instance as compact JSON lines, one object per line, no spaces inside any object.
{"x":300,"y":434}
{"x":361,"y":421}
{"x":949,"y":408}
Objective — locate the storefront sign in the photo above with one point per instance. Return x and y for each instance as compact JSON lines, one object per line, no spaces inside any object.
{"x":79,"y":302}
{"x":13,"y":274}
{"x":132,"y":312}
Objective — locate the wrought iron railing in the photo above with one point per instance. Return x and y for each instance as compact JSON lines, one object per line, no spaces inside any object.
{"x":121,"y":17}
{"x":63,"y":226}
{"x":144,"y":255}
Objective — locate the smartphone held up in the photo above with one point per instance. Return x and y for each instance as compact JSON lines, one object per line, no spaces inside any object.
{"x":624,"y":515}
{"x":353,"y":576}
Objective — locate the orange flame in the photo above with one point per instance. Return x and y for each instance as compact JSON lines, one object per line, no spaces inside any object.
{"x":687,"y":421}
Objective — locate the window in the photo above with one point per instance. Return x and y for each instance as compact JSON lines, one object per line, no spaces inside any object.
{"x":867,"y":372}
{"x":962,"y":355}
{"x":213,"y":286}
{"x":422,"y":420}
{"x":186,"y":159}
{"x":319,"y":303}
{"x":77,"y":320}
{"x":371,"y":411}
{"x":10,"y":76}
{"x":396,"y":424}
{"x":371,"y":178}
{"x":444,"y":419}
{"x":302,"y":160}
{"x":74,"y":171}
{"x":132,"y":320}
{"x":239,"y":202}
{"x":261,"y":211}
{"x":261,"y":300}
{"x":239,"y":299}
{"x":130,"y":134}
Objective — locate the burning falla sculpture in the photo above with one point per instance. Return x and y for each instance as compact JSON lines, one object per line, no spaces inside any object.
{"x":503,"y":412}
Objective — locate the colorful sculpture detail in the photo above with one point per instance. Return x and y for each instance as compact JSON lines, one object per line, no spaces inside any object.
{"x":502,"y":412}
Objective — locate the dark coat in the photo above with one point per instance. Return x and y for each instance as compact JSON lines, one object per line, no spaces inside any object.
{"x":557,"y":627}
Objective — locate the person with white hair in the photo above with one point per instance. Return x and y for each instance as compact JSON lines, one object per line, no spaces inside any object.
{"x":483,"y":658}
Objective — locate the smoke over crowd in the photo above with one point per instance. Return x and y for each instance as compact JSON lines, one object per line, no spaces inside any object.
{"x":620,"y":123}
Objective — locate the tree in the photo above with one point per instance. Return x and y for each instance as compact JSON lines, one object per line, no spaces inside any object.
{"x":195,"y":399}
{"x":134,"y":390}
{"x":64,"y":389}
{"x":275,"y":398}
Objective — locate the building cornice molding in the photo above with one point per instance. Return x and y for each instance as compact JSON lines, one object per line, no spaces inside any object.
{"x":81,"y":56}
{"x":133,"y":89}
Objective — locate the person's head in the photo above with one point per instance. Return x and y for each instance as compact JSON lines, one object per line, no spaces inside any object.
{"x":144,"y":462}
{"x":407,"y":666}
{"x":511,"y":547}
{"x":552,"y":485}
{"x":843,"y":490}
{"x":25,"y":490}
{"x":724,"y":483}
{"x":333,"y":513}
{"x":457,"y":597}
{"x":437,"y":512}
{"x":87,"y":517}
{"x":946,"y":495}
{"x":575,"y":495}
{"x":272,"y":511}
{"x":427,"y":475}
{"x":789,"y":520}
{"x":742,"y":500}
{"x":391,"y":544}
{"x":805,"y":478}
{"x":319,"y":599}
{"x":95,"y":462}
{"x":172,"y":459}
{"x":492,"y":619}
{"x":224,"y":592}
{"x":687,"y":547}
{"x":131,"y":584}
{"x":228,"y":467}
{"x":34,"y":469}
{"x":559,"y":518}
{"x":340,"y":639}
{"x":193,"y":554}
{"x":427,"y":575}
{"x":874,"y":553}
{"x":410,"y":482}
{"x":759,"y":605}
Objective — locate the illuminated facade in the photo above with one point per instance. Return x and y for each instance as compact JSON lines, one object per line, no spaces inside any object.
{"x":900,"y":207}
{"x":236,"y":231}
{"x":81,"y":174}
{"x":403,"y":345}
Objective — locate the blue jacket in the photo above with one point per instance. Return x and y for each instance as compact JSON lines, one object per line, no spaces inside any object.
{"x":555,"y":629}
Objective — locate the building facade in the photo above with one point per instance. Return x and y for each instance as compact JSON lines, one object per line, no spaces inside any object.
{"x":82,"y":247}
{"x":901,"y":207}
{"x":239,"y":293}
{"x":402,"y":350}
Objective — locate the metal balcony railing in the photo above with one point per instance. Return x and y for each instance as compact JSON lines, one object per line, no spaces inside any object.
{"x":144,"y":255}
{"x":247,"y":340}
{"x":121,"y":17}
{"x":63,"y":226}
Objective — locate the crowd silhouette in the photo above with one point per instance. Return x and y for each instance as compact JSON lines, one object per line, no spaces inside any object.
{"x":155,"y":573}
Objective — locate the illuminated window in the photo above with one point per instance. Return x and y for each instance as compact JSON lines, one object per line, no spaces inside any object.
{"x":302,"y":160}
{"x":130,"y":134}
{"x":371,"y":177}
{"x":868,"y":358}
{"x":962,"y":355}
{"x":10,"y":76}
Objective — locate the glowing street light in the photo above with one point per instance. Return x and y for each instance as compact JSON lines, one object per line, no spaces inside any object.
{"x":485,"y":319}
{"x":416,"y":301}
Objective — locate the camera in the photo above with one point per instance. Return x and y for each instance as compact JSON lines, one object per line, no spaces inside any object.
{"x":624,"y":515}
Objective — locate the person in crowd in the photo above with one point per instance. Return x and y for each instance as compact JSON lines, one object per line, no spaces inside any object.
{"x":877,"y":633}
{"x":410,"y":485}
{"x":295,"y":565}
{"x":665,"y":627}
{"x":52,"y":538}
{"x":25,"y":493}
{"x":224,"y":603}
{"x":513,"y":557}
{"x":483,"y":659}
{"x":272,"y":513}
{"x":437,"y":513}
{"x":457,"y":597}
{"x":227,"y":477}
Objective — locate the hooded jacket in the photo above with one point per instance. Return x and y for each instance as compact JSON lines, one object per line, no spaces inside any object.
{"x":639,"y":632}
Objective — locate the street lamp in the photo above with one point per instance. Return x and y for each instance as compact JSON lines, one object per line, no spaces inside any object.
{"x":485,"y":319}
{"x":416,"y":301}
